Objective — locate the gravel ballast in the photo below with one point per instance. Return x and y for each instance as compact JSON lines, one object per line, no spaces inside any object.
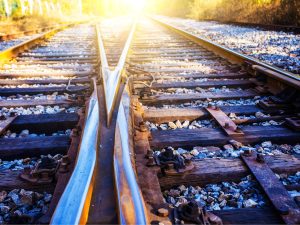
{"x":278,"y":48}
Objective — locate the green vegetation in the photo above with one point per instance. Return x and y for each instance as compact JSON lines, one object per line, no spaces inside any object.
{"x":19,"y":24}
{"x":26,"y":15}
{"x":49,"y":8}
{"x":250,"y":11}
{"x":285,"y":12}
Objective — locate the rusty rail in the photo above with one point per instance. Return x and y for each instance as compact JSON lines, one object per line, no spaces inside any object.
{"x":76,"y":195}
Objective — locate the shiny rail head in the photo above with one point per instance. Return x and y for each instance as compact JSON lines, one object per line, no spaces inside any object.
{"x":131,"y":204}
{"x":112,"y":78}
{"x":74,"y":198}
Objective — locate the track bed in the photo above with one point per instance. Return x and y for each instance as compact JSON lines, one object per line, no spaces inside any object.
{"x":213,"y":141}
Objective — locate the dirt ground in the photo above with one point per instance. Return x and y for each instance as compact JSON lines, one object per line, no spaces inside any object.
{"x":11,"y":26}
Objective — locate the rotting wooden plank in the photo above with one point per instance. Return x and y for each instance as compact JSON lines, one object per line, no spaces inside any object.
{"x":60,"y":58}
{"x":218,"y":170}
{"x":46,"y":118}
{"x":224,"y":121}
{"x":64,"y":176}
{"x":38,"y":90}
{"x":188,"y":76}
{"x":10,"y":180}
{"x":55,"y":55}
{"x":56,"y":62}
{"x":178,"y":65}
{"x":278,"y":134}
{"x":174,"y":45}
{"x":44,"y":81}
{"x":165,"y":115}
{"x":4,"y":124}
{"x":44,"y":123}
{"x":190,"y":57}
{"x":181,"y":98}
{"x":216,"y":137}
{"x":35,"y":102}
{"x":177,"y":70}
{"x":171,"y":51}
{"x":274,"y":189}
{"x":249,"y":216}
{"x":47,"y":74}
{"x":33,"y":146}
{"x":204,"y":84}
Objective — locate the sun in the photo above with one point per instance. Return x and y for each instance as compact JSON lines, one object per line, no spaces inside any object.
{"x":121,"y":7}
{"x":136,"y":6}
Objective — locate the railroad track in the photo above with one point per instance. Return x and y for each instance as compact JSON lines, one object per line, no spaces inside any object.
{"x":11,"y":36}
{"x":44,"y":90}
{"x":212,"y":132}
{"x":10,"y":40}
{"x":177,"y":130}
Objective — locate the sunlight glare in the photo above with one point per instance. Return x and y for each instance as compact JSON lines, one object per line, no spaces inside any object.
{"x":136,"y":6}
{"x":121,"y":7}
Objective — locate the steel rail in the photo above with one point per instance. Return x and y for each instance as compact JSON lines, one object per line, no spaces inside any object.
{"x":112,"y":78}
{"x":71,"y":206}
{"x":236,"y":57}
{"x":132,"y":209}
{"x":131,"y":206}
{"x":76,"y":196}
{"x":74,"y":203}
